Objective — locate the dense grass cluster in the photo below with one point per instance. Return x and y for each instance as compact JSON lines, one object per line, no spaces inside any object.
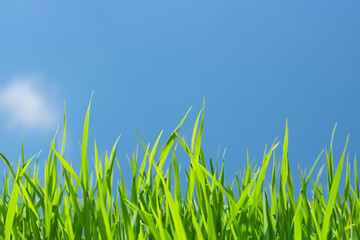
{"x":78,"y":206}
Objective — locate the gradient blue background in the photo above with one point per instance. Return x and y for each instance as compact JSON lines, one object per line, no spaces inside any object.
{"x":255,"y":62}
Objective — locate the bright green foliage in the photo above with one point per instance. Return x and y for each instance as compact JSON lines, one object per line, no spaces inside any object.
{"x":89,"y":205}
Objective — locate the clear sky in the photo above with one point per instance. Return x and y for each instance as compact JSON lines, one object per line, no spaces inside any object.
{"x":255,"y":62}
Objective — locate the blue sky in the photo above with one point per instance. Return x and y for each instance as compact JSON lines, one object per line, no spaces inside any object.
{"x":255,"y":62}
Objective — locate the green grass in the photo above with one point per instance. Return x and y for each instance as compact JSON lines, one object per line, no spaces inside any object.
{"x":73,"y":205}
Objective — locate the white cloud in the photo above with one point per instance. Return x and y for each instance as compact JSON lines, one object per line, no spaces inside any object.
{"x":25,"y":103}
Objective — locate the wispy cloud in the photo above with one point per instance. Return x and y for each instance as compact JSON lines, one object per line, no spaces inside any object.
{"x":25,"y":103}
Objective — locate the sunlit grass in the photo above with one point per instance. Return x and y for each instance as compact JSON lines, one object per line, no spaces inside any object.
{"x":73,"y":205}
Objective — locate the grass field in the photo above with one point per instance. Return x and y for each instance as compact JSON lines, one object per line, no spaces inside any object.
{"x":71,"y":205}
